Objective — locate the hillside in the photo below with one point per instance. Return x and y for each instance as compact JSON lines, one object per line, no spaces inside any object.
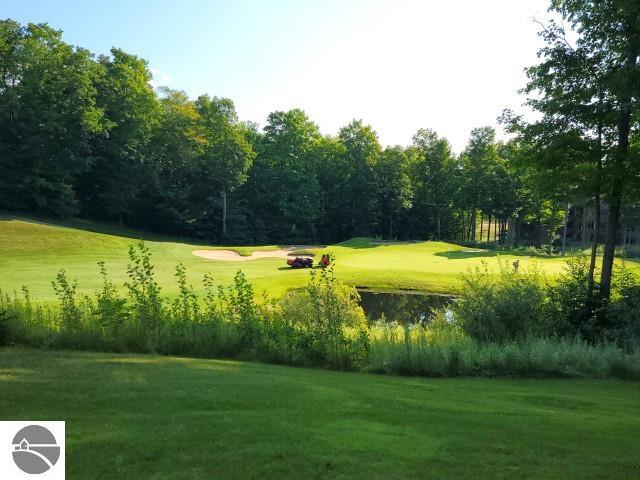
{"x":33,"y":251}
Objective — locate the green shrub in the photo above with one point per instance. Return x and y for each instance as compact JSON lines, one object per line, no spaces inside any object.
{"x":242,"y":310}
{"x":146,"y":305}
{"x":70,"y":314}
{"x":329,"y":313}
{"x":620,"y":320}
{"x":110,"y":308}
{"x":502,"y":308}
{"x":570,"y":307}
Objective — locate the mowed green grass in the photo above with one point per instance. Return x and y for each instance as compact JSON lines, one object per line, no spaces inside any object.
{"x":32,"y":252}
{"x":136,"y":416}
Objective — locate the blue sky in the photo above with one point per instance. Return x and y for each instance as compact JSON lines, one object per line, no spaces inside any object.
{"x":400,"y":65}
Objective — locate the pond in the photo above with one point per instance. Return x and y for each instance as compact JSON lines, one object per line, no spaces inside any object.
{"x":402,"y":307}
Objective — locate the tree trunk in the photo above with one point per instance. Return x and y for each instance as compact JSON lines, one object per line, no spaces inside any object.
{"x":438,"y":216}
{"x":564,"y":230}
{"x":504,"y":230}
{"x":224,"y":213}
{"x":551,"y":232}
{"x":472,"y":225}
{"x":619,"y":159}
{"x":539,"y":232}
{"x":464,"y":226}
{"x":481,"y":224}
{"x":584,"y":226}
{"x":495,"y":229}
{"x":596,"y":199}
{"x":615,"y":205}
{"x":510,"y":231}
{"x":489,"y":230}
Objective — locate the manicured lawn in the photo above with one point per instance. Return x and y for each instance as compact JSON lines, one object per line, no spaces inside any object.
{"x":32,"y":253}
{"x":136,"y":416}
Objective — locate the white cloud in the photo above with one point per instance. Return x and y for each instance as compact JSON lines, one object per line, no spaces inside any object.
{"x":160,"y":78}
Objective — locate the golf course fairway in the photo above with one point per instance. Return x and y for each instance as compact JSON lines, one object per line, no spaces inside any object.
{"x":32,"y":252}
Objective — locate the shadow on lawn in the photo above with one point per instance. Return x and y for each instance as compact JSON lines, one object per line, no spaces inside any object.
{"x":467,"y":254}
{"x":462,"y":255}
{"x":136,"y":234}
{"x":286,"y":267}
{"x":96,"y":227}
{"x":369,"y":242}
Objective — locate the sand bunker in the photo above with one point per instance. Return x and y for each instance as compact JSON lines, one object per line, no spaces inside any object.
{"x":231,"y":256}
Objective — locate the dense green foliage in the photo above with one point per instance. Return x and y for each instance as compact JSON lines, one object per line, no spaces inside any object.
{"x":103,"y":144}
{"x":585,"y":141}
{"x":520,"y":303}
{"x":509,"y":307}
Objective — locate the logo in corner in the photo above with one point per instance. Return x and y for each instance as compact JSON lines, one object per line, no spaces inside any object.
{"x":35,"y":449}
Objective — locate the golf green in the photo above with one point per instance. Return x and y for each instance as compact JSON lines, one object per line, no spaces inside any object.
{"x":33,"y":252}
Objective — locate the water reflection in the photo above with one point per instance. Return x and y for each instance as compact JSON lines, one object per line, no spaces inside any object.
{"x":402,"y":307}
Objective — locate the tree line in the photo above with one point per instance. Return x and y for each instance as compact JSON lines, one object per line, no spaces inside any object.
{"x":88,"y":135}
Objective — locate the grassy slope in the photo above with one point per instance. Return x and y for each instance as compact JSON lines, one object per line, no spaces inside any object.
{"x":32,"y":252}
{"x":132,"y":416}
